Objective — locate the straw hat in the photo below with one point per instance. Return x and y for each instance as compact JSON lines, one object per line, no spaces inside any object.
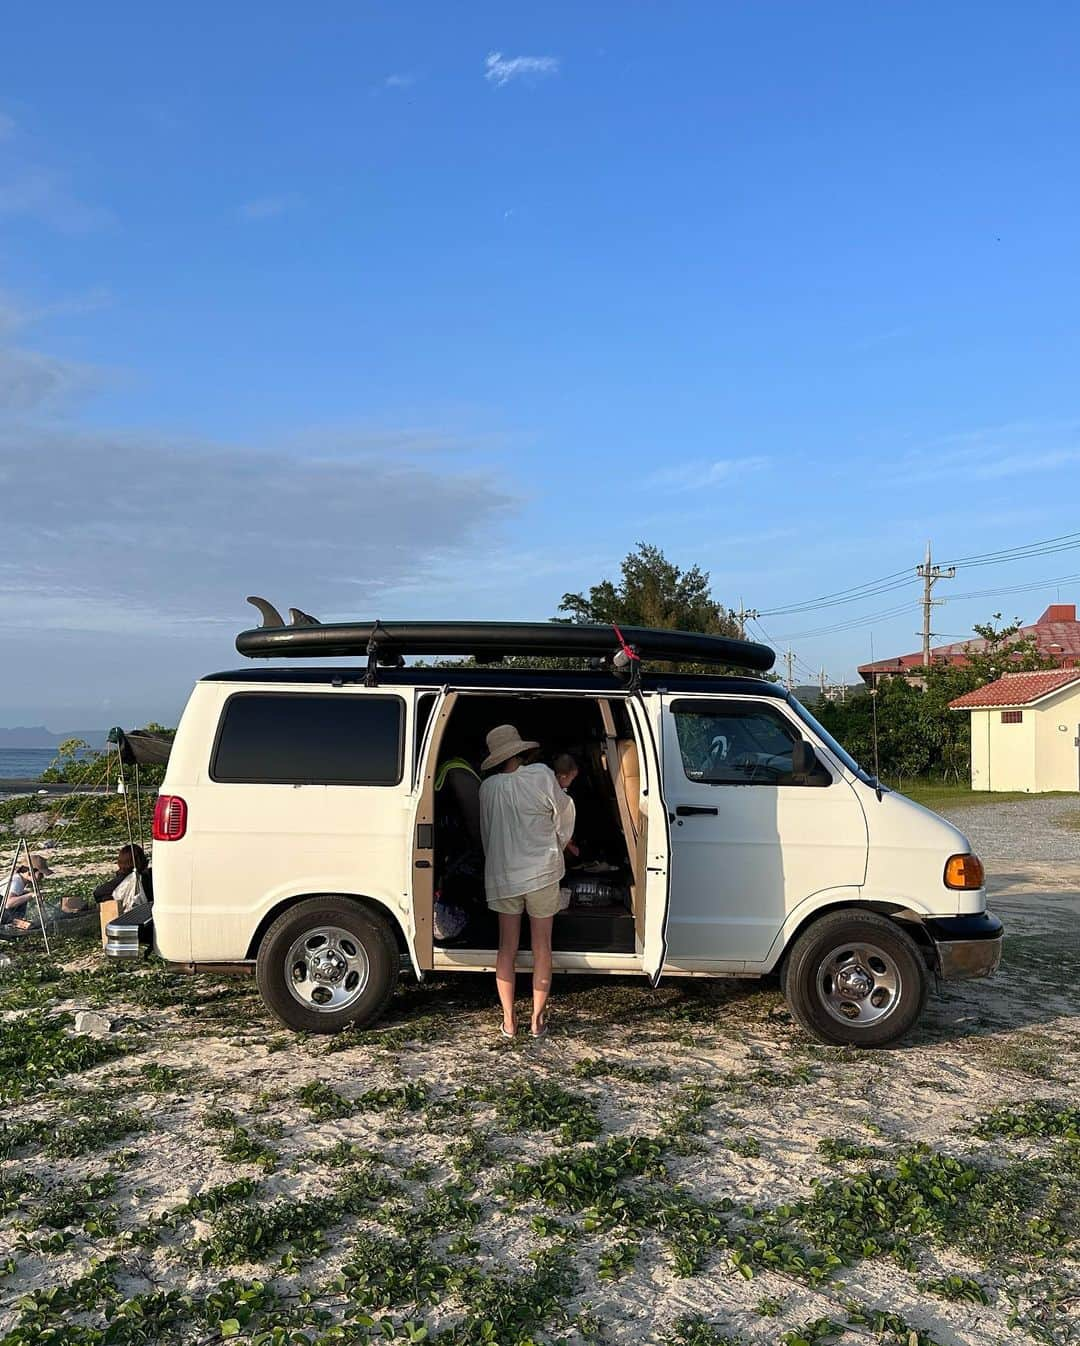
{"x":504,"y":742}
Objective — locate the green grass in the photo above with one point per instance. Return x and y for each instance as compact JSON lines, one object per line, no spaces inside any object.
{"x":953,"y":794}
{"x":427,"y":1186}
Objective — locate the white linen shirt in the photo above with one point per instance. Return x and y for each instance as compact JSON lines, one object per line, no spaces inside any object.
{"x":526,"y":820}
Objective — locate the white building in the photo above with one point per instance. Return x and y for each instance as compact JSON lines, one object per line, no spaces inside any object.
{"x":1025,"y":731}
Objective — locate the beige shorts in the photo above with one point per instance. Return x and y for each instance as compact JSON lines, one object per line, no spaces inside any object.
{"x":544,"y":902}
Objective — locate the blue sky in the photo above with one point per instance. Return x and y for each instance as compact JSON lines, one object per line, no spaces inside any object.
{"x":429,"y":310}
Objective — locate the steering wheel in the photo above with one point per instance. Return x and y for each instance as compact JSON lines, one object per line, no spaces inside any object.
{"x":749,"y":765}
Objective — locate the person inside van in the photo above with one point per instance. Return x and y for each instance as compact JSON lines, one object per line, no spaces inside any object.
{"x":461,"y":860}
{"x":132,"y":883}
{"x":566,"y":772}
{"x":526,"y":820}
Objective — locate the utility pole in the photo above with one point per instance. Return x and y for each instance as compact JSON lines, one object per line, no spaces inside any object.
{"x":743,"y":616}
{"x":930,"y":574}
{"x":789,"y":659}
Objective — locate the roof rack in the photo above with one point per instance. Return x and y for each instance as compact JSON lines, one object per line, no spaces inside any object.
{"x":388,"y":644}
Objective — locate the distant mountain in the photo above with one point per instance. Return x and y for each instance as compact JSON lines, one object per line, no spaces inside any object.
{"x":37,"y":736}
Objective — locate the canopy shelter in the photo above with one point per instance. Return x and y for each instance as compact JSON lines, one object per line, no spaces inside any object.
{"x":135,"y":747}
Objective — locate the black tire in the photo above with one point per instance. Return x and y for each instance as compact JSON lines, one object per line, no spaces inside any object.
{"x":820,"y":1001}
{"x":368,"y":943}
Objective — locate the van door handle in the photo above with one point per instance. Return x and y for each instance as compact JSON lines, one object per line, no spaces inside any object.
{"x":688,"y":810}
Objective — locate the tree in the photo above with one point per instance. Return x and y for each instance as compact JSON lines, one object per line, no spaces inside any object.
{"x":653,"y":591}
{"x":917,"y":733}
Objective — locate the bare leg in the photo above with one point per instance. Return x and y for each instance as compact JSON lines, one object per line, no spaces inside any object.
{"x":540,"y":935}
{"x":509,"y":938}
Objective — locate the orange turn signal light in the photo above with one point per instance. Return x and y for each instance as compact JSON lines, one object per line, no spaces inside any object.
{"x":964,"y":871}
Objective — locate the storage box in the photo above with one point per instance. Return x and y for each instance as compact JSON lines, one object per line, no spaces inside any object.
{"x":108,"y":911}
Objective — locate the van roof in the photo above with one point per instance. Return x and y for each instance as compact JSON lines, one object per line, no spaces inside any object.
{"x":527,"y":679}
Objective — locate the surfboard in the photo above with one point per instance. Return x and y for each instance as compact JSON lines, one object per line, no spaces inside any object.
{"x":394,"y":641}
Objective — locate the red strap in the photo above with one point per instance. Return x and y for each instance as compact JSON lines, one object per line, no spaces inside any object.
{"x":628,"y":650}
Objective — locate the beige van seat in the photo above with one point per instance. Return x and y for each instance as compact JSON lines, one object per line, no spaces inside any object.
{"x":629,"y":785}
{"x":624,"y":768}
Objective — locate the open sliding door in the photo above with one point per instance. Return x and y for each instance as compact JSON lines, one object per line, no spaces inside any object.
{"x":654,"y":842}
{"x":422,"y":846}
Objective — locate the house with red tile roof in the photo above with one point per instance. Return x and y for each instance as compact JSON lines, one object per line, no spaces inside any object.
{"x":1056,"y":635}
{"x":1025,"y":731}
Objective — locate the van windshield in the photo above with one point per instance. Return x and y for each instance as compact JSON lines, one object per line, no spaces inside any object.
{"x":835,"y":748}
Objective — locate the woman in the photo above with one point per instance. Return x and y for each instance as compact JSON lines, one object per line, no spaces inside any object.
{"x":526,"y":821}
{"x":25,"y":883}
{"x":132,"y":883}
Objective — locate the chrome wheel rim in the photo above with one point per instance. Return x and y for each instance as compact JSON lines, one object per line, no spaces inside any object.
{"x":327,"y":969}
{"x":859,"y":984}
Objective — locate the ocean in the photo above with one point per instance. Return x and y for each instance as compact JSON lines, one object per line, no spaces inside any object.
{"x":24,"y":763}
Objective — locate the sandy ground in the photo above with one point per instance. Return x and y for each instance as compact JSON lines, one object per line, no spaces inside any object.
{"x":766,"y":1100}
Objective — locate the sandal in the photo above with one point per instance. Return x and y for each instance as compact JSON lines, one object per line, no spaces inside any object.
{"x":505,"y":1034}
{"x":541,"y":1031}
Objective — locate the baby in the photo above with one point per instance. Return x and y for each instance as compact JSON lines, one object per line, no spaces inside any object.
{"x":566,"y":772}
{"x":566,"y":769}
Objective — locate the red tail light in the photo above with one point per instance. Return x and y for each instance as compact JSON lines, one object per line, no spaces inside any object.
{"x":170,"y":818}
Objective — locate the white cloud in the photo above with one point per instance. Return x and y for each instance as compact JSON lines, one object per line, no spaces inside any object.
{"x":402,"y":80}
{"x":267,"y":207}
{"x":500,"y":70}
{"x":31,"y":380}
{"x":697,"y":474}
{"x":147,"y":532}
{"x":13,"y":317}
{"x":40,"y":195}
{"x":993,"y":453}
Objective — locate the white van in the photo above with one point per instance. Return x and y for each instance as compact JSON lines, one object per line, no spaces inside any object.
{"x":723,"y":832}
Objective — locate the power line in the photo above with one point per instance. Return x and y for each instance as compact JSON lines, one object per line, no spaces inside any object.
{"x":871,"y":589}
{"x":900,"y":578}
{"x":1017,"y":553}
{"x":852,"y":624}
{"x":1032,"y":587}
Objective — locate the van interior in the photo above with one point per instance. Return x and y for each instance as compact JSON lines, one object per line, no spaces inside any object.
{"x":606,"y":879}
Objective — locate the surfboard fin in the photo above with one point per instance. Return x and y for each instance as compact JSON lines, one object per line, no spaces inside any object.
{"x":269,"y":614}
{"x":298,"y":618}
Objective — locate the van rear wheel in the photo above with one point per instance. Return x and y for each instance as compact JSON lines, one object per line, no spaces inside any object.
{"x":855,"y":978}
{"x":325,"y":964}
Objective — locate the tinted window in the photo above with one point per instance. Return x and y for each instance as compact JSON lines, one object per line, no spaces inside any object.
{"x":310,"y":740}
{"x":740,"y":743}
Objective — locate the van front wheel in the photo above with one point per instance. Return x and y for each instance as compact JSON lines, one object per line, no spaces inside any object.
{"x":855,"y":978}
{"x":326,"y":963}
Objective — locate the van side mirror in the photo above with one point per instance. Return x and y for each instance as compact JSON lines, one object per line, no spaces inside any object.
{"x":803,"y":758}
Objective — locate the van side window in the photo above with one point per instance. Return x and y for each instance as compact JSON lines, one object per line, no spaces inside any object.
{"x":302,"y":739}
{"x":738,"y":743}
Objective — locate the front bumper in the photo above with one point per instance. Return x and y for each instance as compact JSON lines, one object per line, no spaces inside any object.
{"x":966,"y":946}
{"x":130,"y":935}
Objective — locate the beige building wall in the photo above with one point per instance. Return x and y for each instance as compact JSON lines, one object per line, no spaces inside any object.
{"x":1057,"y":758}
{"x":1010,"y":752}
{"x":980,"y":749}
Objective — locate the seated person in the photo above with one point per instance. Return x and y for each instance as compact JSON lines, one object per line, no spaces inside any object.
{"x":462,"y":782}
{"x":131,"y":884}
{"x":460,"y":857}
{"x":21,"y":889}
